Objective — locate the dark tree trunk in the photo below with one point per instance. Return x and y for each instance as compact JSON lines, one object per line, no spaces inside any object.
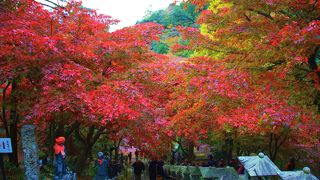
{"x":237,"y":147}
{"x":14,"y":124}
{"x":51,"y":137}
{"x":4,"y":110}
{"x":275,"y":143}
{"x":227,"y":149}
{"x":116,"y":152}
{"x":116,"y":145}
{"x":14,"y":140}
{"x":82,"y":159}
{"x":60,"y":128}
{"x":87,"y":142}
{"x":190,"y":151}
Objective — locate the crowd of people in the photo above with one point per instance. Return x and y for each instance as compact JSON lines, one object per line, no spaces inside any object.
{"x":106,"y":168}
{"x":221,"y":163}
{"x":155,"y":169}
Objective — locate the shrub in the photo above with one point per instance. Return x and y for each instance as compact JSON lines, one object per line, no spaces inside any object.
{"x":159,"y":47}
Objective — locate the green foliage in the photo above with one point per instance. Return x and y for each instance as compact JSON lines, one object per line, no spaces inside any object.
{"x":184,"y":53}
{"x":317,"y":57}
{"x":159,"y":47}
{"x":184,"y":14}
{"x":172,"y":32}
{"x":12,"y":171}
{"x":183,"y":42}
{"x":10,"y":167}
{"x":91,"y":170}
{"x":174,"y":15}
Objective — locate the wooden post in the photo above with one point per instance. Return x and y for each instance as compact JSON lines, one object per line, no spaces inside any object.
{"x":30,"y":153}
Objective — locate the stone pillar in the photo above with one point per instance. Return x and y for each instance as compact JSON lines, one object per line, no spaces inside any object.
{"x":30,"y":153}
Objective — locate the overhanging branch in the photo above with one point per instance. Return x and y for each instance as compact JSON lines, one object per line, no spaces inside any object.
{"x":262,"y":13}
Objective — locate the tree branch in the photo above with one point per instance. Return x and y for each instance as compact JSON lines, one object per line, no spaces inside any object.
{"x":45,"y":5}
{"x":261,"y":13}
{"x":97,"y":135}
{"x":222,"y":51}
{"x":52,"y":3}
{"x":50,"y":6}
{"x":72,"y":128}
{"x":314,"y":5}
{"x":283,"y":141}
{"x":247,"y":18}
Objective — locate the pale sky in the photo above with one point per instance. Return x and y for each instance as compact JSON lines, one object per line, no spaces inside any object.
{"x":127,"y":11}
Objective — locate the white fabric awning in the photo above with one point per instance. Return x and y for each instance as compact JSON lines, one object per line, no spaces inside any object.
{"x":259,"y":165}
{"x":305,"y":174}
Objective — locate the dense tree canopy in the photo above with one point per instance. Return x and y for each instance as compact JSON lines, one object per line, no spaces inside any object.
{"x":62,"y":70}
{"x":251,"y":85}
{"x":255,"y":74}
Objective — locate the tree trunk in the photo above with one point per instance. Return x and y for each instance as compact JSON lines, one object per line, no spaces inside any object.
{"x":228,"y":146}
{"x":116,"y":153}
{"x":14,"y":125}
{"x":60,"y":128}
{"x":14,"y":140}
{"x":87,"y":142}
{"x":81,"y":162}
{"x":51,"y":137}
{"x":230,"y":149}
{"x":275,"y":143}
{"x":116,"y":148}
{"x":4,"y":110}
{"x":190,"y":151}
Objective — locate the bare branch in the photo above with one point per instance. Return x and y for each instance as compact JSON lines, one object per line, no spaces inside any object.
{"x":52,"y":3}
{"x":262,"y":13}
{"x":247,"y":18}
{"x":53,"y":6}
{"x":314,"y":5}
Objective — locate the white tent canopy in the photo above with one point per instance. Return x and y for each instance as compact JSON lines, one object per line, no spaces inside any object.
{"x":259,"y":165}
{"x":305,"y":174}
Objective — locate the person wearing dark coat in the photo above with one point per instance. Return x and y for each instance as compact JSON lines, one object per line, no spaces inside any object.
{"x":102,"y":167}
{"x":160,"y":170}
{"x":211,"y":162}
{"x":153,"y":169}
{"x":138,"y":168}
{"x":130,"y":157}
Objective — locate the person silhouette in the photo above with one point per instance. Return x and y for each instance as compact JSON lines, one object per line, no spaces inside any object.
{"x":138,"y":168}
